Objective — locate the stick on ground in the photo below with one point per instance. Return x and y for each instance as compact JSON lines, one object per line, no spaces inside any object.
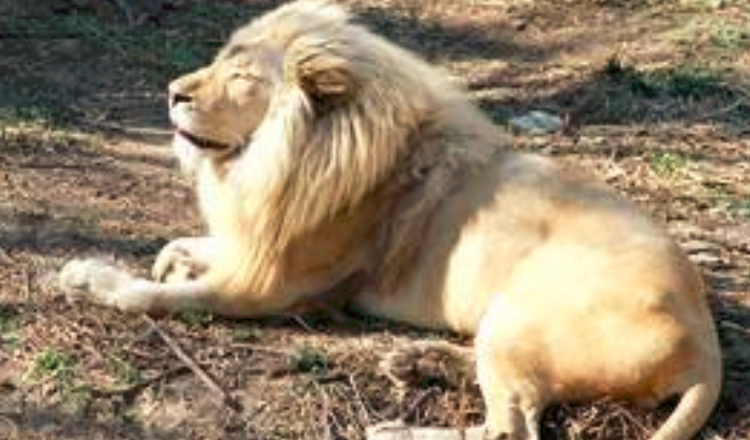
{"x":223,"y":396}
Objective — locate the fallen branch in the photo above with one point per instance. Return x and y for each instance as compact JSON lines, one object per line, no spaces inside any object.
{"x":225,"y":397}
{"x":412,"y":410}
{"x":399,"y":431}
{"x":136,"y":388}
{"x":736,"y":327}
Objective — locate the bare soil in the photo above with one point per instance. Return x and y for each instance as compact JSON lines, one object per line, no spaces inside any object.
{"x":656,"y":102}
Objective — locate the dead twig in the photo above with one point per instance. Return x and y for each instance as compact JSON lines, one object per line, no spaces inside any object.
{"x":140,"y":386}
{"x":326,"y":415}
{"x":335,"y":376}
{"x":736,"y":327}
{"x":302,"y":323}
{"x":411,"y":411}
{"x":364,"y":407}
{"x":226,"y":398}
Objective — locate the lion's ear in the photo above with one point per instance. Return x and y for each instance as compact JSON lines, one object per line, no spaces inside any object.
{"x":326,"y":78}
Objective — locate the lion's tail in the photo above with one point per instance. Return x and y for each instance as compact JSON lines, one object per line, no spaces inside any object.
{"x":695,"y":406}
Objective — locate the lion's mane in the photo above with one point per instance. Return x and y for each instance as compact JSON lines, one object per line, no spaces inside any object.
{"x":394,"y":130}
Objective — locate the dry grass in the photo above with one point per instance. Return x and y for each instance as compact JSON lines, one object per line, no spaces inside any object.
{"x":656,"y":103}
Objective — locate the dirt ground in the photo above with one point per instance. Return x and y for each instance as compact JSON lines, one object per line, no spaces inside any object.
{"x":655,"y":99}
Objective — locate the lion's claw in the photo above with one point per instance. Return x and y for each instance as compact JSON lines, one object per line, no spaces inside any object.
{"x":177,"y":261}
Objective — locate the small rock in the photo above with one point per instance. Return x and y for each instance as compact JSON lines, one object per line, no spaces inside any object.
{"x":537,"y":122}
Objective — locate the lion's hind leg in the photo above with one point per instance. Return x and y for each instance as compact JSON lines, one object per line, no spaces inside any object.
{"x":513,"y":401}
{"x":513,"y":398}
{"x":510,"y":374}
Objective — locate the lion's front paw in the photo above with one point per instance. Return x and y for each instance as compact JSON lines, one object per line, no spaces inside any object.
{"x":180,"y":260}
{"x":102,"y":282}
{"x":82,"y":278}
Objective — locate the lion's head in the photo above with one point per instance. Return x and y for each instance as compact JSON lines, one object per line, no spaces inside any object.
{"x":308,"y":68}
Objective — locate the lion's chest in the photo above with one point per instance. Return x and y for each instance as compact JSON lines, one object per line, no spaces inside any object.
{"x":220,"y":204}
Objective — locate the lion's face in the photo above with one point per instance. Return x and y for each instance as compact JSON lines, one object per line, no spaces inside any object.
{"x":216,"y":110}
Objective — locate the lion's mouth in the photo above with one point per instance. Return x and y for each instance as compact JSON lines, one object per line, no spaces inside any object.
{"x":202,"y":143}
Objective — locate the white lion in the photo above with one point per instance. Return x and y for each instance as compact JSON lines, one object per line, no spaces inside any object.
{"x":322,"y":152}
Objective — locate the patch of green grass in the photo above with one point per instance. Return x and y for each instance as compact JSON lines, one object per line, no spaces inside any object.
{"x":52,"y":362}
{"x":25,"y":100}
{"x":284,"y":433}
{"x":61,"y":367}
{"x":78,"y":397}
{"x":668,"y":164}
{"x":246,"y":333}
{"x":10,"y":324}
{"x":729,"y":35}
{"x":182,"y":41}
{"x":124,"y":372}
{"x":732,"y":204}
{"x":9,"y":320}
{"x":688,"y":81}
{"x":193,"y":315}
{"x":11,"y":341}
{"x":29,"y":97}
{"x":308,"y":359}
{"x":740,"y":207}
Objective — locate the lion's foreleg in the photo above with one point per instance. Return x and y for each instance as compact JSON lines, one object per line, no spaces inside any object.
{"x":104,"y":283}
{"x":178,"y":279}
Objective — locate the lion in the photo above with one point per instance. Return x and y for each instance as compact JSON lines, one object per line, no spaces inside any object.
{"x":323,"y":154}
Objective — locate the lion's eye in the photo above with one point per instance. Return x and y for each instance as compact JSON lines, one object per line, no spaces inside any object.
{"x":241,"y":75}
{"x":242,"y":83}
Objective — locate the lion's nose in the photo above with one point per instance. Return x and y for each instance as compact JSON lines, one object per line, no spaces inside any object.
{"x":179,"y":92}
{"x":184,"y":88}
{"x":177,"y":97}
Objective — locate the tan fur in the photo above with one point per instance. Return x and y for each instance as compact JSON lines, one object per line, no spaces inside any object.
{"x":336,"y":155}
